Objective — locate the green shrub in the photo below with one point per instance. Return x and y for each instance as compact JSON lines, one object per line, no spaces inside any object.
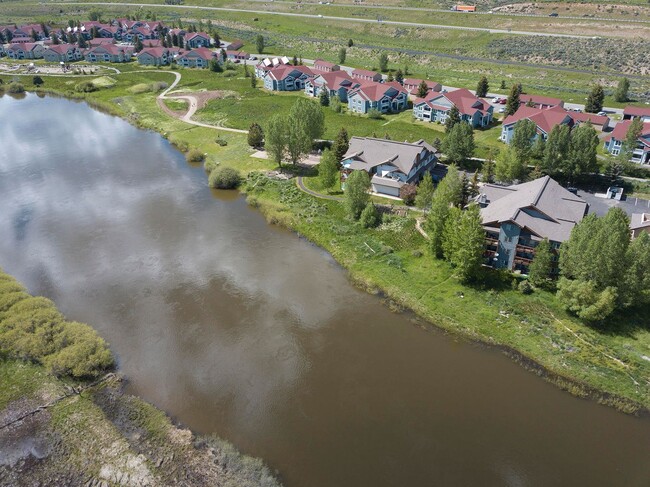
{"x":229,"y":74}
{"x":85,"y":87}
{"x":370,"y":217}
{"x":375,"y":114}
{"x":224,"y":178}
{"x":210,"y":165}
{"x":221,"y":141}
{"x":181,"y":145}
{"x":525,"y":287}
{"x":16,"y":87}
{"x":195,"y":155}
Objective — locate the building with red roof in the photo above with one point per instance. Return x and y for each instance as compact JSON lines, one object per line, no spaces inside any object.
{"x":62,"y":53}
{"x":325,"y":66}
{"x":198,"y":58}
{"x":156,"y":56}
{"x":366,"y":75}
{"x":25,"y":50}
{"x":411,"y":85}
{"x":537,"y":101}
{"x":388,"y":97}
{"x":285,"y":77}
{"x":614,"y":142}
{"x":108,"y":53}
{"x":197,"y":39}
{"x":337,"y":83}
{"x":633,"y":112}
{"x":436,"y":106}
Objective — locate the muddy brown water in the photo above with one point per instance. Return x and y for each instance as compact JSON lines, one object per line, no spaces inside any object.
{"x":244,"y":329}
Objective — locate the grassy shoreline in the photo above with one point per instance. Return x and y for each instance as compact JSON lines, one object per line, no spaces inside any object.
{"x":534,"y":329}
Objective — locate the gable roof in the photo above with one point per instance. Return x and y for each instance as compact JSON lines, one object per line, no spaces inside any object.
{"x":540,"y":100}
{"x":639,"y":220}
{"x":620,"y":131}
{"x":467,"y":102}
{"x":364,"y":73}
{"x":374,"y":91}
{"x":335,"y":79}
{"x":192,"y":35}
{"x":637,"y":111}
{"x":281,"y":71}
{"x":202,"y":52}
{"x":589,"y":117}
{"x":112,"y":49}
{"x":542,"y":206}
{"x":412,"y":84}
{"x":61,"y":48}
{"x":320,"y":64}
{"x":544,"y":118}
{"x":368,"y":152}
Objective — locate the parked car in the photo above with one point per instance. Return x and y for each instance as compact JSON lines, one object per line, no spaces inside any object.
{"x":602,"y":114}
{"x":502,"y":101}
{"x":553,"y":14}
{"x":502,"y":110}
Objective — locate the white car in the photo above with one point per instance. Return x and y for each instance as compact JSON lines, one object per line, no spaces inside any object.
{"x":502,"y":110}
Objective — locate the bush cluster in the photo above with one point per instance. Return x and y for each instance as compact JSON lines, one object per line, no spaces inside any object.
{"x":224,"y":178}
{"x":31,"y":328}
{"x":195,"y":155}
{"x":16,"y":87}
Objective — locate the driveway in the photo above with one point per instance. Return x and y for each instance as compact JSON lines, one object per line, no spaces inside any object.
{"x":600,"y":206}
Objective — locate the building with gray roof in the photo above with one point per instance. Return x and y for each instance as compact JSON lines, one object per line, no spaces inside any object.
{"x":516,"y":218}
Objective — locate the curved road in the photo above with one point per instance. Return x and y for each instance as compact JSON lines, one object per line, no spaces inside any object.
{"x":329,"y":17}
{"x":301,"y":186}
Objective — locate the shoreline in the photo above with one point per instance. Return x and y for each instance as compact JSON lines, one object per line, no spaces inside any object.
{"x":266,"y":206}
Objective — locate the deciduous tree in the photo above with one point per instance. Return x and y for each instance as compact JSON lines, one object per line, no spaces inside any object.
{"x":622,"y":90}
{"x":539,"y":271}
{"x":356,"y":193}
{"x":509,"y":167}
{"x":581,"y":157}
{"x":276,"y":137}
{"x":447,"y":194}
{"x":453,"y":117}
{"x":464,"y":242}
{"x":425,"y":192}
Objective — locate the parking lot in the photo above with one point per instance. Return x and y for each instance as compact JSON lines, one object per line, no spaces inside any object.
{"x":600,"y":206}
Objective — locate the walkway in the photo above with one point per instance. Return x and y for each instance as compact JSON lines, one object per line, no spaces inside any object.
{"x":301,"y":185}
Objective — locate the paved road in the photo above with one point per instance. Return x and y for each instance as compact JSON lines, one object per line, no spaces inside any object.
{"x":301,"y":185}
{"x":328,"y":17}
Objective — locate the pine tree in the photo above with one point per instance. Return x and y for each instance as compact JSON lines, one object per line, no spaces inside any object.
{"x":423,"y":90}
{"x":482,"y":87}
{"x":487,"y":171}
{"x":474,"y":186}
{"x":390,"y":77}
{"x":539,"y":271}
{"x":425,"y":192}
{"x":399,"y":76}
{"x":595,"y":100}
{"x":512,"y":104}
{"x":81,"y":42}
{"x":342,"y":55}
{"x":137,"y":47}
{"x":324,"y":97}
{"x":255,"y":136}
{"x":259,"y":43}
{"x":341,"y":144}
{"x":383,"y":62}
{"x":459,"y":145}
{"x":294,"y":60}
{"x":328,"y":169}
{"x":453,"y":118}
{"x":350,"y":43}
{"x":622,"y":90}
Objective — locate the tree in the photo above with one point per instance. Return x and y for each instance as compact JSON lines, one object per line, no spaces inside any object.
{"x":341,"y":144}
{"x":306,"y":122}
{"x":46,"y":31}
{"x":453,"y":117}
{"x":509,"y":167}
{"x":595,"y":100}
{"x":464,"y":242}
{"x":255,"y":135}
{"x":356,"y":193}
{"x":487,"y":171}
{"x":95,"y":15}
{"x":512,"y":104}
{"x":217,"y":38}
{"x":556,"y":148}
{"x":342,"y":55}
{"x":614,"y":168}
{"x":581,"y":157}
{"x":585,"y":300}
{"x":539,"y":271}
{"x":328,"y":169}
{"x":538,"y":149}
{"x":34,"y":36}
{"x":622,"y":91}
{"x":408,"y":193}
{"x":175,"y":40}
{"x":370,"y":217}
{"x":324,"y":97}
{"x":137,"y":47}
{"x":425,"y":192}
{"x":81,"y":41}
{"x":473,"y":190}
{"x":459,"y":144}
{"x":350,"y":43}
{"x":253,"y":81}
{"x":525,"y":131}
{"x":259,"y":43}
{"x":390,"y":77}
{"x":275,"y":140}
{"x":37,"y":81}
{"x":383,"y":62}
{"x":423,"y":90}
{"x":482,"y":87}
{"x":215,"y":66}
{"x":503,"y":84}
{"x":631,"y":139}
{"x":399,"y":76}
{"x":295,"y":60}
{"x":447,"y":194}
{"x":636,"y":286}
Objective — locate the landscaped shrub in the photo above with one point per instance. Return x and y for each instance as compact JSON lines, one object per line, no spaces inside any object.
{"x":181,"y":145}
{"x":224,"y":178}
{"x":221,"y":141}
{"x":370,"y":217}
{"x":210,"y":165}
{"x":85,"y":87}
{"x":408,"y":193}
{"x":195,"y":155}
{"x":375,"y":114}
{"x":37,"y":81}
{"x":229,"y":74}
{"x":525,"y":287}
{"x":16,"y":87}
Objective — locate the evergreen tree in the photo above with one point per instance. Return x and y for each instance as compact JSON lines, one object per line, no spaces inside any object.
{"x":259,"y":43}
{"x":34,"y":36}
{"x":556,"y":148}
{"x":488,"y":169}
{"x":595,"y":100}
{"x":46,"y":31}
{"x":453,"y":117}
{"x":539,"y":271}
{"x":423,"y":90}
{"x":522,"y":139}
{"x":370,"y":217}
{"x":175,"y":40}
{"x":81,"y":42}
{"x":356,"y":193}
{"x":425,"y":192}
{"x":509,"y":166}
{"x":581,"y":157}
{"x":342,"y":55}
{"x":137,"y":47}
{"x":328,"y":169}
{"x":390,"y":77}
{"x":447,"y":194}
{"x":217,"y":39}
{"x":622,"y":90}
{"x":253,"y":81}
{"x":474,"y":188}
{"x":255,"y":136}
{"x":55,"y":40}
{"x":275,"y":140}
{"x":503,"y":84}
{"x":324,"y":97}
{"x":350,"y":43}
{"x":295,"y":60}
{"x":246,"y":71}
{"x":512,"y":104}
{"x":464,"y":242}
{"x":459,"y":144}
{"x":399,"y":76}
{"x":341,"y":144}
{"x":482,"y":87}
{"x":383,"y":62}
